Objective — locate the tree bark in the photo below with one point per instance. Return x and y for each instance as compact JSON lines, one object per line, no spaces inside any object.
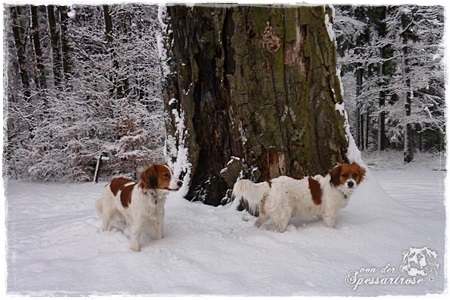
{"x":56,"y":50}
{"x":359,"y":112}
{"x":20,"y":48}
{"x":118,"y":88}
{"x":407,"y":94}
{"x":367,"y":129}
{"x":383,"y":71}
{"x":64,"y":45}
{"x":257,"y":89}
{"x":382,"y":139}
{"x":41,"y":82}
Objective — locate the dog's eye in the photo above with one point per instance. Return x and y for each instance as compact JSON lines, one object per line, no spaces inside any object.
{"x":355,"y":175}
{"x":345,"y":175}
{"x":167,"y":175}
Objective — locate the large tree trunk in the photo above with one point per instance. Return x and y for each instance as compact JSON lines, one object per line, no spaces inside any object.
{"x":257,"y":90}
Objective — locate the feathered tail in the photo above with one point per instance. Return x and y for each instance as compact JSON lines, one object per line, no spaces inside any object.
{"x":250,"y":192}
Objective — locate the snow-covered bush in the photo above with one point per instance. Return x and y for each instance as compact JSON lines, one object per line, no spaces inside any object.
{"x":105,"y":99}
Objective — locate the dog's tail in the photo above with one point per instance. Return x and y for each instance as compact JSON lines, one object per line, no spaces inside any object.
{"x":99,"y":206}
{"x":250,"y":192}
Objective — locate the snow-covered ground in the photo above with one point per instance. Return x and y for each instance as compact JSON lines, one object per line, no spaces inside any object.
{"x":55,"y":245}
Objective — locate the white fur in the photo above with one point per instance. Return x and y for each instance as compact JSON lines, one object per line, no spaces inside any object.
{"x":288,"y":197}
{"x":253,"y":193}
{"x":146,"y":208}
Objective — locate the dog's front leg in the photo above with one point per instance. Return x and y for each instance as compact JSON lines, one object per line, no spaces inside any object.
{"x":329,"y":219}
{"x":135,"y":236}
{"x":159,"y":226}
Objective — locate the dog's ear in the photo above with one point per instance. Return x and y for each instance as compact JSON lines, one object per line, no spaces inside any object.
{"x":362,"y":174}
{"x":150,"y":177}
{"x":335,"y":174}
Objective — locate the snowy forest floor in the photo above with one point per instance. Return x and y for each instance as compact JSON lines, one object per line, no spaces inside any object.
{"x":55,"y":245}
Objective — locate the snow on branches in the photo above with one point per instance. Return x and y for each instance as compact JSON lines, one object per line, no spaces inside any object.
{"x":102,"y":95}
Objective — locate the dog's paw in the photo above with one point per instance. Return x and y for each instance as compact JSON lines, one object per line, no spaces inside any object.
{"x":333,"y":226}
{"x":135,"y":248}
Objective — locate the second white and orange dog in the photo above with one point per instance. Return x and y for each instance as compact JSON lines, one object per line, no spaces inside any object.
{"x":284,"y":197}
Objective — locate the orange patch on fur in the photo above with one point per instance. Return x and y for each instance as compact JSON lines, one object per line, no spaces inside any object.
{"x":124,"y":186}
{"x":316,"y":191}
{"x":117,"y":184}
{"x":125,"y":195}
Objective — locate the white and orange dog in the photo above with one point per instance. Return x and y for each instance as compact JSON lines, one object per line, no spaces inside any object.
{"x":138,"y":203}
{"x":284,"y":197}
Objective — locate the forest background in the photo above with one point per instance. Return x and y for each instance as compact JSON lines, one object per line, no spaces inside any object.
{"x":82,"y":81}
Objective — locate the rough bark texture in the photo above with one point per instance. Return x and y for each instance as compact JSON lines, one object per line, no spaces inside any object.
{"x":408,"y":154}
{"x":64,"y":45}
{"x":18,"y":34}
{"x":40,"y":80}
{"x":256,"y":83}
{"x":56,"y":53}
{"x":384,"y":71}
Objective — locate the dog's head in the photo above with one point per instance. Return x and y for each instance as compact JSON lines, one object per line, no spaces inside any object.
{"x":160,"y":177}
{"x":346,"y":177}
